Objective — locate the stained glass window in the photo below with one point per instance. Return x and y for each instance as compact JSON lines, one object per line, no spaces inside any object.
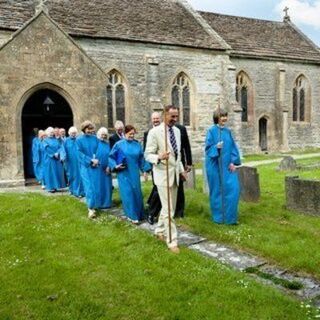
{"x":243,"y":92}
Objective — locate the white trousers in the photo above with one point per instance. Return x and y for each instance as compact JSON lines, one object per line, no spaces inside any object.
{"x":163,"y":222}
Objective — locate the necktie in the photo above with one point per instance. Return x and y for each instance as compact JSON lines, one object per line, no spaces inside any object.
{"x":173,"y":142}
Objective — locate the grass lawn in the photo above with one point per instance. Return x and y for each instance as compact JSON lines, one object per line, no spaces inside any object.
{"x":56,"y":264}
{"x":267,"y":228}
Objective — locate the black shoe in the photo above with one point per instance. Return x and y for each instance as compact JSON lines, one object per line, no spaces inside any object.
{"x":150,"y":219}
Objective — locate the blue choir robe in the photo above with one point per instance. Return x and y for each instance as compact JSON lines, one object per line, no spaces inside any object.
{"x":223,"y":185}
{"x":37,"y":159}
{"x":53,"y":168}
{"x":129,"y":178}
{"x":72,"y":167}
{"x":105,"y":180}
{"x":87,"y":146}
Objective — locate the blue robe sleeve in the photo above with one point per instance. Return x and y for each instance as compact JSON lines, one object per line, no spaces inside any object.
{"x":112,"y":163}
{"x":83,"y":158}
{"x":35,"y":150}
{"x":235,"y":154}
{"x":211,"y":149}
{"x":62,"y":152}
{"x":143,"y":164}
{"x":48,"y":150}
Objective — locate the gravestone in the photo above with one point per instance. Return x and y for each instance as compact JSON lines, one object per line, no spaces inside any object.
{"x":287,"y":164}
{"x":249,"y":184}
{"x":303,"y":195}
{"x":191,"y":181}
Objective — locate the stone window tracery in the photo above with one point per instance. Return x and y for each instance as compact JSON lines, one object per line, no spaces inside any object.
{"x":244,"y":96}
{"x":116,"y":98}
{"x":301,"y":100}
{"x":180,"y":97}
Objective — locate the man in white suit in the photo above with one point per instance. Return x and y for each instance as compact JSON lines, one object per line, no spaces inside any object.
{"x":156,"y":154}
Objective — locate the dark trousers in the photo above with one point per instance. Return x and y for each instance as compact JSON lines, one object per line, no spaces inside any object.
{"x":154,"y":203}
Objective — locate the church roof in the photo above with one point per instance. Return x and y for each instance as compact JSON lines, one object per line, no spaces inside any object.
{"x":253,"y":37}
{"x":155,"y":21}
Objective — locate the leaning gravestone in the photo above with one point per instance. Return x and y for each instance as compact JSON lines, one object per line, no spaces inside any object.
{"x":287,"y":164}
{"x":249,"y":184}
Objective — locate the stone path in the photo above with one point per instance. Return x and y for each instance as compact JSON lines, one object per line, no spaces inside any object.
{"x":239,"y":260}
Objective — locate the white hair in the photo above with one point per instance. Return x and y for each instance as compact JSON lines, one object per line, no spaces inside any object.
{"x":156,"y":113}
{"x":102,"y":131}
{"x":72,"y":130}
{"x":118,"y":125}
{"x":49,"y":131}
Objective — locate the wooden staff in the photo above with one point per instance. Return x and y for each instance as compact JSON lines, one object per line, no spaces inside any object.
{"x":220,"y":164}
{"x":167,"y":171}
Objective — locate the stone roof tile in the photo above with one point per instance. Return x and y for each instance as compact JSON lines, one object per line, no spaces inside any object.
{"x":156,"y":21}
{"x":253,"y":37}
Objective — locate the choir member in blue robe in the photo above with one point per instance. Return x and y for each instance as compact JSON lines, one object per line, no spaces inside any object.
{"x":72,"y":165}
{"x":29,"y":146}
{"x":37,"y":157}
{"x":126,"y":158}
{"x":105,"y":179}
{"x":41,"y":147}
{"x":87,"y":145}
{"x":222,"y":155}
{"x":53,"y":166}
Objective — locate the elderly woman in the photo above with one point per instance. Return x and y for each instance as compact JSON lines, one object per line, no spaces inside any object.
{"x":126,"y":158}
{"x":105,"y":178}
{"x":222,"y":155}
{"x":72,"y":164}
{"x":87,"y":146}
{"x":52,"y":163}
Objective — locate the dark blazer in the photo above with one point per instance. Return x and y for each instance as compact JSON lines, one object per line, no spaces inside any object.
{"x":186,"y":155}
{"x":145,"y":137}
{"x":113,"y":139}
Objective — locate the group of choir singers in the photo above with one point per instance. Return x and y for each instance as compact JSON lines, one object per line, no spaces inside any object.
{"x":85,"y":163}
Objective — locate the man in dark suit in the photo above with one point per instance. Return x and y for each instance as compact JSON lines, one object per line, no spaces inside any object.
{"x":118,"y":135}
{"x":153,"y":202}
{"x":186,"y":159}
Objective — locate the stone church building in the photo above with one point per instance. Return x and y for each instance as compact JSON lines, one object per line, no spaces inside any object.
{"x":65,"y":61}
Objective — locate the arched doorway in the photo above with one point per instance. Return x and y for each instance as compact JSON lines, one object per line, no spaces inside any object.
{"x":43,"y":108}
{"x":263,"y":134}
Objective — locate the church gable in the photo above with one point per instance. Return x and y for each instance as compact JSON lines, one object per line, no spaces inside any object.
{"x":43,"y":43}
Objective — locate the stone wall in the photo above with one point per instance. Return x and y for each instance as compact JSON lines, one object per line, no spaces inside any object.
{"x":273,"y":82}
{"x":150,"y":70}
{"x":42,"y":56}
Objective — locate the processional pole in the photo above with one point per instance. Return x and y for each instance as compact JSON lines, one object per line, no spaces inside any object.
{"x":167,"y":171}
{"x":220,"y":162}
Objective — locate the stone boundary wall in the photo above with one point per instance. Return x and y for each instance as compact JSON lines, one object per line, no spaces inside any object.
{"x":303,"y":195}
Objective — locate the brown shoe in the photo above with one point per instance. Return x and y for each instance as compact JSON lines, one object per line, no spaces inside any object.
{"x":174,"y":249}
{"x":160,"y":237}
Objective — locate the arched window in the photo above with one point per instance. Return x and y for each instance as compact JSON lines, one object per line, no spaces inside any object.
{"x":300,"y":100}
{"x":180,"y":97}
{"x":244,"y":95}
{"x":116,"y":98}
